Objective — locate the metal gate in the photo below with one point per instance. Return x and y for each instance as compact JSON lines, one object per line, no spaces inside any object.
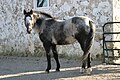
{"x":108,"y":51}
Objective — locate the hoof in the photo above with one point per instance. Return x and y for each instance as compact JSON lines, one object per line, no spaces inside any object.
{"x":47,"y":71}
{"x":88,"y":71}
{"x":57,"y":70}
{"x":82,"y":70}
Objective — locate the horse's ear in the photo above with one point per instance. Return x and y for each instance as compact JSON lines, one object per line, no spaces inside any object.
{"x":31,"y":11}
{"x":24,"y":12}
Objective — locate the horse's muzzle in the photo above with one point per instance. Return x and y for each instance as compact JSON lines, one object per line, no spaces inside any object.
{"x":29,"y":31}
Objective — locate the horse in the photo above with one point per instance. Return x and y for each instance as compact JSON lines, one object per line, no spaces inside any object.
{"x":54,"y":32}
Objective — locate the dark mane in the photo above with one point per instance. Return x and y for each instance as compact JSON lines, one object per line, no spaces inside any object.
{"x":46,"y":14}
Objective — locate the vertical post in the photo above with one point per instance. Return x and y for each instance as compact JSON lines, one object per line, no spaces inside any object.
{"x":103,"y":46}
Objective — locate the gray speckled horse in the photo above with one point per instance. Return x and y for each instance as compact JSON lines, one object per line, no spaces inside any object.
{"x":54,"y":32}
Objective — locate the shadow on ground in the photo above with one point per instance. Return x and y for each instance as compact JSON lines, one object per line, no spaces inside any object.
{"x":33,"y":69}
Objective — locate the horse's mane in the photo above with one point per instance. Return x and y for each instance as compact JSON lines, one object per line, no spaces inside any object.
{"x":44,"y":14}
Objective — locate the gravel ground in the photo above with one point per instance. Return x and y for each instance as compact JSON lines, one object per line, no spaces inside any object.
{"x":32,"y":68}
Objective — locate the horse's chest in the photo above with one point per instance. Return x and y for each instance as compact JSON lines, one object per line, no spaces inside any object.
{"x":45,"y":37}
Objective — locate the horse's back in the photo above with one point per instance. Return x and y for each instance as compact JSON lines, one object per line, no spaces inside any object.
{"x":81,"y":24}
{"x":85,"y":27}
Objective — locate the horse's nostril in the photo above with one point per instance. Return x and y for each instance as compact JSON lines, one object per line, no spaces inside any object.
{"x":29,"y":30}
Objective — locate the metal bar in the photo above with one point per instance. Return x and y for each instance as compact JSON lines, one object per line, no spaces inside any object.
{"x":106,"y":48}
{"x":111,"y":49}
{"x":109,"y":23}
{"x":105,"y":45}
{"x":112,"y":41}
{"x":111,"y":33}
{"x":112,"y":56}
{"x":112,"y":63}
{"x":103,"y":49}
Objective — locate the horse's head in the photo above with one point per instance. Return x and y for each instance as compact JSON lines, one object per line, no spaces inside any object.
{"x":29,"y":20}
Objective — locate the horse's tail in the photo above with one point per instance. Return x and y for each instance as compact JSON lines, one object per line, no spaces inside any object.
{"x":89,"y":40}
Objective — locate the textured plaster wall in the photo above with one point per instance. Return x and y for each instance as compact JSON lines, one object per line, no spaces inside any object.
{"x":13,"y":37}
{"x":15,"y":41}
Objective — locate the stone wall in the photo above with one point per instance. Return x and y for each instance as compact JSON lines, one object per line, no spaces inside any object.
{"x":14,"y":39}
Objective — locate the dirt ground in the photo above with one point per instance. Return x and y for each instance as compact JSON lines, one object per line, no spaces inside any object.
{"x":29,"y":68}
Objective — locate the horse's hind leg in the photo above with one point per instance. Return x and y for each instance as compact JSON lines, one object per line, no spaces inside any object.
{"x":83,"y":67}
{"x":82,"y":70}
{"x":89,"y":69}
{"x":55,"y":53}
{"x":86,"y":58}
{"x":47,"y":47}
{"x":89,"y":61}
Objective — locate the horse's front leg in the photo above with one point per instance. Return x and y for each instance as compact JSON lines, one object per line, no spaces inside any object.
{"x":55,"y":53}
{"x":47,"y":47}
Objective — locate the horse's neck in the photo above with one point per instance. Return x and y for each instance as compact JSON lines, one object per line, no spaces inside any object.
{"x":39,"y":25}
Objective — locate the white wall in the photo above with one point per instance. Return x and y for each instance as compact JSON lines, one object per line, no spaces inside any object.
{"x":14,"y":39}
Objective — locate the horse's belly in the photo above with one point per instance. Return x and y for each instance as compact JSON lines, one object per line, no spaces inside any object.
{"x":68,"y":40}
